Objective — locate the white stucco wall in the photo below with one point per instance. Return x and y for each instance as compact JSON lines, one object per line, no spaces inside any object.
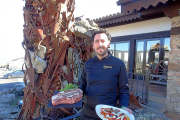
{"x":148,"y":26}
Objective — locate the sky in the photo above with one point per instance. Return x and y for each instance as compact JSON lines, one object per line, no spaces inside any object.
{"x":11,"y":23}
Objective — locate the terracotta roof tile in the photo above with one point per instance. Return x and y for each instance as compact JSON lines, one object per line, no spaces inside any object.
{"x":131,"y":5}
{"x":107,"y":17}
{"x":121,"y":2}
{"x":116,"y":18}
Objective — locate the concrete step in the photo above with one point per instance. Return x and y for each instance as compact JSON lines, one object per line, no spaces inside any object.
{"x":157,"y":98}
{"x":159,"y":106}
{"x":157,"y":101}
{"x":172,"y":116}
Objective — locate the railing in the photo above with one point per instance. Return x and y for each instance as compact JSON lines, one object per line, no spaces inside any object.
{"x":139,"y":83}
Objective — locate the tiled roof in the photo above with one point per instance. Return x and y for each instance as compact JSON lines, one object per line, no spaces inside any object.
{"x":107,"y":17}
{"x":121,"y":2}
{"x":130,"y":11}
{"x":131,"y":5}
{"x":116,"y":18}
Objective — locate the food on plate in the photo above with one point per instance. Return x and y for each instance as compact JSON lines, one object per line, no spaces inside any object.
{"x":113,"y":114}
{"x":67,"y":97}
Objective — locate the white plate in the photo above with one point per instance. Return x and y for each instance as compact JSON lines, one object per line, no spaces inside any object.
{"x":98,"y":110}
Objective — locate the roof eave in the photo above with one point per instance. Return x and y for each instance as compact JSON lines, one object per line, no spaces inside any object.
{"x":122,"y":2}
{"x":119,"y":19}
{"x":137,"y":5}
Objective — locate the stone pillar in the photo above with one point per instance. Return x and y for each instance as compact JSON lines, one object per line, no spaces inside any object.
{"x":173,"y":82}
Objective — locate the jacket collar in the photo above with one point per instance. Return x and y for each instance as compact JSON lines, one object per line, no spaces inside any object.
{"x":104,"y":58}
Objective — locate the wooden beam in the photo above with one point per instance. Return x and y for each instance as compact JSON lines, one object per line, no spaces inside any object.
{"x":152,"y":11}
{"x":175,"y":31}
{"x":172,"y":9}
{"x":152,"y":35}
{"x":140,"y":4}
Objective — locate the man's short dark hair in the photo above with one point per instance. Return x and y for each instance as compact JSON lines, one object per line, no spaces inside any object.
{"x":101,"y":30}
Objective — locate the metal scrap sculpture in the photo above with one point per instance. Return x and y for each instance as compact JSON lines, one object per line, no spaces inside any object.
{"x":56,"y":47}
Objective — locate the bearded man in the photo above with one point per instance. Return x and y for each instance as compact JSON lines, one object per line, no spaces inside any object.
{"x":104,"y":79}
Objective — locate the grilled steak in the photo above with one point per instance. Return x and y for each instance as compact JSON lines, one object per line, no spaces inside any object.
{"x":67,"y":97}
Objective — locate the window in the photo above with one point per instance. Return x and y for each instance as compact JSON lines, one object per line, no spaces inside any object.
{"x":111,"y":49}
{"x":139,"y":56}
{"x":121,"y":51}
{"x":149,"y":52}
{"x":166,"y":48}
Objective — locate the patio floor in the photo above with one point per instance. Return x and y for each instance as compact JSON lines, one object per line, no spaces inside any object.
{"x":157,"y":97}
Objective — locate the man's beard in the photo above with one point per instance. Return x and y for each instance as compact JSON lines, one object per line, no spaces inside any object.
{"x":105,"y":51}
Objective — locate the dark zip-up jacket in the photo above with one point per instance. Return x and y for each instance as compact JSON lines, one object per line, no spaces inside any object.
{"x":100,"y":80}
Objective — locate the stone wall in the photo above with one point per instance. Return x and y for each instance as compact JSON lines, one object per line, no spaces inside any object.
{"x":173,"y":83}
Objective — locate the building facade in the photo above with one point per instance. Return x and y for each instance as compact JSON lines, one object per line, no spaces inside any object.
{"x":145,"y":33}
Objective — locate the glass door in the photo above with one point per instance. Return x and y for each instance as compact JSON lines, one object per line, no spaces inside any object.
{"x":112,"y":49}
{"x":166,"y":48}
{"x":139,"y":56}
{"x":149,"y":53}
{"x":122,"y":52}
{"x":152,"y":53}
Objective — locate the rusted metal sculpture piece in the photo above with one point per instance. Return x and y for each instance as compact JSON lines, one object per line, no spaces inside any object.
{"x":50,"y":24}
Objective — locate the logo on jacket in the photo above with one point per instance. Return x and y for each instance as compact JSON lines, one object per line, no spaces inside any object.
{"x":107,"y":67}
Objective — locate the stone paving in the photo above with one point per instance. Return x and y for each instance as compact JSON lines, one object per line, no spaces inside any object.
{"x":9,"y":107}
{"x":148,"y":113}
{"x":8,"y":111}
